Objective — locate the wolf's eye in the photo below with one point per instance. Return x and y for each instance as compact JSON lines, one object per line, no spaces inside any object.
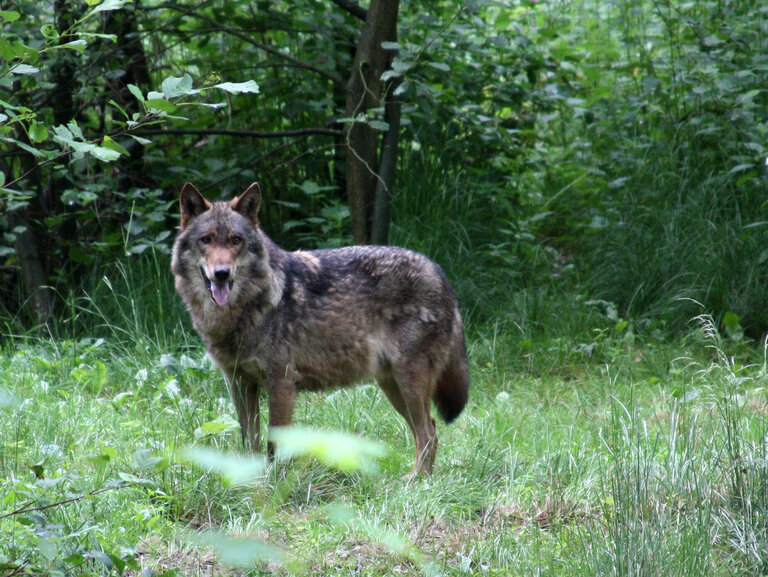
{"x":236,"y":240}
{"x":207,"y":239}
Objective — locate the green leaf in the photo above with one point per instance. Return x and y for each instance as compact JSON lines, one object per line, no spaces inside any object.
{"x":107,"y":5}
{"x":748,"y":96}
{"x":38,"y":132}
{"x":212,"y":428}
{"x":14,"y":49}
{"x":400,"y":66}
{"x":76,"y":45}
{"x":24,"y":69}
{"x":238,"y":552}
{"x":7,"y":51}
{"x":110,"y":37}
{"x":9,"y":15}
{"x":140,"y":140}
{"x":173,"y":86}
{"x":77,"y":132}
{"x":161,"y":104}
{"x":379,"y":125}
{"x":341,"y":451}
{"x":731,"y":320}
{"x":120,"y":399}
{"x":49,"y":31}
{"x":143,"y":459}
{"x":239,"y":87}
{"x":133,"y":89}
{"x":502,"y":20}
{"x":109,"y":143}
{"x":48,"y":548}
{"x":33,"y":151}
{"x":104,"y":457}
{"x":62,"y":134}
{"x":741,"y":168}
{"x":440,"y":66}
{"x":220,"y":425}
{"x":104,"y":154}
{"x":119,"y":108}
{"x":235,"y":468}
{"x":213,"y":105}
{"x":129,"y":478}
{"x":7,"y":400}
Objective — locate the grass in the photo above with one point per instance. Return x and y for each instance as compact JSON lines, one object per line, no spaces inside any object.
{"x":597,"y":449}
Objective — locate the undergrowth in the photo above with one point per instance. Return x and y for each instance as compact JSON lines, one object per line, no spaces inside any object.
{"x":598,"y":447}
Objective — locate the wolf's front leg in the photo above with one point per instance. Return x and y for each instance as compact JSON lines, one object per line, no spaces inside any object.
{"x":245,"y":396}
{"x":282,"y":397}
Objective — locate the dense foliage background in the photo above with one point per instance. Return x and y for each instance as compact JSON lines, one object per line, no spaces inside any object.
{"x":614,"y":150}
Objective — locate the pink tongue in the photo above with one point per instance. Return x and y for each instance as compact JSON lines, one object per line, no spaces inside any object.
{"x":220,"y":292}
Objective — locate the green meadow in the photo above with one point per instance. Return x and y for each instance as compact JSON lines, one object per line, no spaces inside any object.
{"x":601,"y":449}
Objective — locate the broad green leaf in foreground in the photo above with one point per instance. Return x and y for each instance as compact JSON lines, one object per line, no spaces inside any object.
{"x":339,"y":450}
{"x":6,"y":399}
{"x":238,"y":552}
{"x":236,"y":469}
{"x":222,"y":424}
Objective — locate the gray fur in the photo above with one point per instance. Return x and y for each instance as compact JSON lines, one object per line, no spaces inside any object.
{"x":318,"y":320}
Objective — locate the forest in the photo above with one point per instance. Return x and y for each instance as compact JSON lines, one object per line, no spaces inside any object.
{"x":592,"y":178}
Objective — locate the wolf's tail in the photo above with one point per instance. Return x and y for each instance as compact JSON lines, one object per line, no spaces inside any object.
{"x":452,"y":387}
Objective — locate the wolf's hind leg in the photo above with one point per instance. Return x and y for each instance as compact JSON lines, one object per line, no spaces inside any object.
{"x":409,"y":393}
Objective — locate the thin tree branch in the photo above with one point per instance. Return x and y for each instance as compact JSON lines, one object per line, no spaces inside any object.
{"x":299,"y":132}
{"x":300,"y":155}
{"x":150,"y":119}
{"x":241,"y":133}
{"x":253,"y":162}
{"x":265,"y":47}
{"x":353,"y":8}
{"x":17,"y":571}
{"x":28,"y":507}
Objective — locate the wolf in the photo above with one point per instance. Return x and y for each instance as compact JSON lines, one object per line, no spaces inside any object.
{"x":317,"y":320}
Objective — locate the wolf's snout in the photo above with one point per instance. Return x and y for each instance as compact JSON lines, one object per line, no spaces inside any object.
{"x":219,"y":283}
{"x":221,"y":274}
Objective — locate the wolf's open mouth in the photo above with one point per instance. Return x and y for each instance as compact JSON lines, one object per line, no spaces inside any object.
{"x":219,"y":290}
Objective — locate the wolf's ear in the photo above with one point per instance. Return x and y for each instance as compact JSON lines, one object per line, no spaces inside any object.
{"x":248,"y":203}
{"x":192,"y":203}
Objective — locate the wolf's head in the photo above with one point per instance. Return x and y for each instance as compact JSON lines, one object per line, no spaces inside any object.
{"x":214,"y":239}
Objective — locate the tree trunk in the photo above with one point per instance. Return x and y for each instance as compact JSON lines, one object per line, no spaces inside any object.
{"x":32,"y":272}
{"x":382,"y":201}
{"x":63,"y":72}
{"x":363,"y":94}
{"x":37,"y":290}
{"x":37,"y":250}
